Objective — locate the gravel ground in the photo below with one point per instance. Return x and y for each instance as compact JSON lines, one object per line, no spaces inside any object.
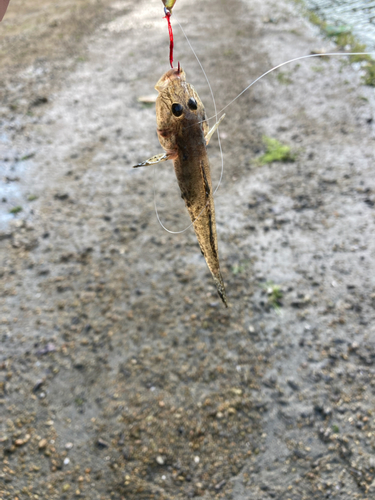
{"x":122,"y":376}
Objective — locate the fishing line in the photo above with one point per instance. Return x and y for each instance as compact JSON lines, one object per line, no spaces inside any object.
{"x":213,"y":100}
{"x":227,"y":105}
{"x":217,"y":131}
{"x":157,"y":213}
{"x":288,"y":62}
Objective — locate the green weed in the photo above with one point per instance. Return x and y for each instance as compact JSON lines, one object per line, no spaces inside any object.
{"x":16,"y":210}
{"x":240,"y":267}
{"x":283,"y":78}
{"x":275,"y":151}
{"x":274,"y":294}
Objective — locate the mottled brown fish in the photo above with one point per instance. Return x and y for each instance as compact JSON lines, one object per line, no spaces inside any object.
{"x":184,"y":134}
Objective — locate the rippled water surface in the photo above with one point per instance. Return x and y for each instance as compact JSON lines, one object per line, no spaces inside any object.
{"x":359,"y":15}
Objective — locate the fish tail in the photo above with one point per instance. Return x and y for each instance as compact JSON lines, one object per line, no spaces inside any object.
{"x":220,"y":287}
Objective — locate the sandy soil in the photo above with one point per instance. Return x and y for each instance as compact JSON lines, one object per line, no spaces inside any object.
{"x":122,"y":374}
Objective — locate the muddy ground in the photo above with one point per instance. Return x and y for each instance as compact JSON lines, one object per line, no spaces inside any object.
{"x":122,"y":374}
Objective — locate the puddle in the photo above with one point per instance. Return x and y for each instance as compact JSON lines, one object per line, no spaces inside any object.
{"x":13,"y":168}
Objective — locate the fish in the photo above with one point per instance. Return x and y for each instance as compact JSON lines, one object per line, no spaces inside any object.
{"x":184,"y":134}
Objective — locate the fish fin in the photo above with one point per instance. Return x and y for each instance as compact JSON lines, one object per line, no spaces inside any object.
{"x":154,"y":160}
{"x":220,"y":288}
{"x":214,"y":128}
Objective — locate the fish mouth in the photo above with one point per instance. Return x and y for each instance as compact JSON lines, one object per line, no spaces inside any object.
{"x":170,"y":76}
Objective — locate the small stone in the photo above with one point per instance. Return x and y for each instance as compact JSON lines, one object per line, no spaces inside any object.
{"x":69,"y":446}
{"x":160,"y":460}
{"x":66,"y":487}
{"x":101,"y":443}
{"x":21,"y":442}
{"x":293,"y":385}
{"x":42,"y":444}
{"x":38,"y":385}
{"x":218,"y":486}
{"x":147,"y":99}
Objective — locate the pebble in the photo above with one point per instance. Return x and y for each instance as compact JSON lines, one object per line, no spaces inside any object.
{"x":38,"y":384}
{"x":160,"y":460}
{"x":101,"y":443}
{"x":21,"y":442}
{"x":42,"y":444}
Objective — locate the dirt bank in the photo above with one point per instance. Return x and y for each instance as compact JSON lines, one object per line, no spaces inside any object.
{"x":122,"y":375}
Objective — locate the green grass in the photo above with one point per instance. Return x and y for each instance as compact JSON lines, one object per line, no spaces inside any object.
{"x":27,"y":157}
{"x":275,"y":151}
{"x":32,"y":197}
{"x":274,"y":294}
{"x":336,"y":31}
{"x":240,"y":267}
{"x":283,"y":78}
{"x":369,"y":77}
{"x":16,"y":210}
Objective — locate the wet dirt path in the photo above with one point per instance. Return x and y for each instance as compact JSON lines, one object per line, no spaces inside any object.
{"x":122,"y":375}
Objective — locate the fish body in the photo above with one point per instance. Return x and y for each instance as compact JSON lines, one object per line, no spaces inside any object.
{"x":183,"y":133}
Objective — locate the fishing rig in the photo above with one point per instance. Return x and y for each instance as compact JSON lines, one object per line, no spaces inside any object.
{"x":168,"y":6}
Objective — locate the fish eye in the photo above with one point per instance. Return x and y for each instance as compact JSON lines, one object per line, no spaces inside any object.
{"x":177,"y":109}
{"x":192,"y":103}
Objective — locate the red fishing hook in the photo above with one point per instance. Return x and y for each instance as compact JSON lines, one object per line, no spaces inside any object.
{"x":171,"y":44}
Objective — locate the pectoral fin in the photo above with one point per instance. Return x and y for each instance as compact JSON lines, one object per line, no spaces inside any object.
{"x":154,"y":160}
{"x":214,"y":128}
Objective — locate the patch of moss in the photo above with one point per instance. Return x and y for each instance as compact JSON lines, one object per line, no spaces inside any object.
{"x":240,"y":267}
{"x":315,"y":19}
{"x":332,"y":30}
{"x":274,"y":294}
{"x":283,"y":78}
{"x":347,"y":39}
{"x":15,"y":210}
{"x":275,"y":151}
{"x":369,"y":77}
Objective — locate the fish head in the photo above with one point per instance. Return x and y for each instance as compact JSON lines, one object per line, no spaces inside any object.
{"x":179,"y":110}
